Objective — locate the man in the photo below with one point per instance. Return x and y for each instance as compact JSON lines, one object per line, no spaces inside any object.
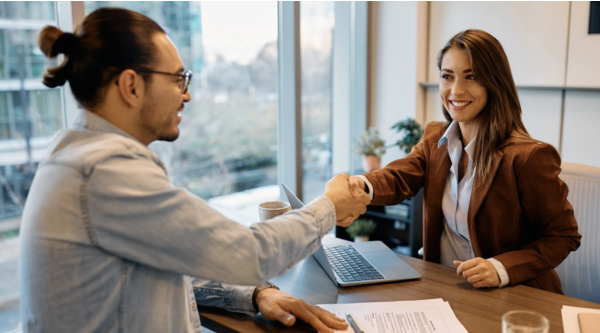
{"x":108,"y":244}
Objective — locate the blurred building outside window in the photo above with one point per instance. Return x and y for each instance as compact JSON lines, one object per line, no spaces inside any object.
{"x":317,"y":21}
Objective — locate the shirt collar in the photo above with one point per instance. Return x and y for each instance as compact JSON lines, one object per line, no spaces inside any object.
{"x":451,"y":136}
{"x":92,"y":122}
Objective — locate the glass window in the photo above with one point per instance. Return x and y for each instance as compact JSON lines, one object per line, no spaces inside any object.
{"x":28,"y":10}
{"x":44,"y":121}
{"x":317,"y":21}
{"x":28,"y":118}
{"x":40,"y":10}
{"x":4,"y":120}
{"x":228,"y":135}
{"x":2,"y":55}
{"x":36,"y":59}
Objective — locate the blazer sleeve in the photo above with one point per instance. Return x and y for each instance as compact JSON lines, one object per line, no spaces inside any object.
{"x":547,"y":214}
{"x":402,"y":178}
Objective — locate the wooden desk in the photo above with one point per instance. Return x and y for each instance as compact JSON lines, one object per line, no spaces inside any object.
{"x":479,"y":310}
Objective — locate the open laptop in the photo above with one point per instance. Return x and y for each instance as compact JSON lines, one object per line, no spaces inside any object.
{"x":358,"y":263}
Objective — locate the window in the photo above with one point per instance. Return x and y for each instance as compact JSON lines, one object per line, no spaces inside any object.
{"x":316,"y":43}
{"x":29,"y":115}
{"x":228,"y":141}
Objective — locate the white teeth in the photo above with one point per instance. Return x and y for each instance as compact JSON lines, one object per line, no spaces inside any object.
{"x":460,"y":103}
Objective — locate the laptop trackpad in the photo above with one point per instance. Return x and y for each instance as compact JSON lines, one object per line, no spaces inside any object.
{"x":384,"y":259}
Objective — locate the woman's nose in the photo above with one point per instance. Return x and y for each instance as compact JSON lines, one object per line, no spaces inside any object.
{"x":458,"y":88}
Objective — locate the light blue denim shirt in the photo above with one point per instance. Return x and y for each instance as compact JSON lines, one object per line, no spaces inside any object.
{"x":108,"y":244}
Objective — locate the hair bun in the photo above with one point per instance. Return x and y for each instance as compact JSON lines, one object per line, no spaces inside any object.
{"x":65,"y":44}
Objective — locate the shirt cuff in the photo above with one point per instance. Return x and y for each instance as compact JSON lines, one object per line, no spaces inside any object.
{"x":323,"y":211}
{"x":368,"y":185}
{"x":242,"y":299}
{"x":502,"y":273}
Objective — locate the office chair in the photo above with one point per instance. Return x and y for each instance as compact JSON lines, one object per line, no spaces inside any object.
{"x":580,"y":272}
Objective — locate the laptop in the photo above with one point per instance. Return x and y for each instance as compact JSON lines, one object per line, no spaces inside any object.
{"x":358,"y":263}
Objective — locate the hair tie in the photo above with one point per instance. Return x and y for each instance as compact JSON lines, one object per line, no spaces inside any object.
{"x":65,"y":44}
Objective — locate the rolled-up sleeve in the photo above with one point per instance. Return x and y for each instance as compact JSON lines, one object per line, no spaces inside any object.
{"x":235,"y":298}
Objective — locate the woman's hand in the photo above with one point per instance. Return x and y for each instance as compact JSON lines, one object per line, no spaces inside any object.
{"x":479,"y":272}
{"x":275,"y":304}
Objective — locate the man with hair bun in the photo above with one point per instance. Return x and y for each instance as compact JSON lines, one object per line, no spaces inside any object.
{"x":108,"y":244}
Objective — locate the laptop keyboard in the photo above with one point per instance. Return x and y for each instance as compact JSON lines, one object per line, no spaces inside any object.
{"x":350,"y":265}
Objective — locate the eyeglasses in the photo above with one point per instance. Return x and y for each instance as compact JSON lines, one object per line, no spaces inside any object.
{"x":183,"y":84}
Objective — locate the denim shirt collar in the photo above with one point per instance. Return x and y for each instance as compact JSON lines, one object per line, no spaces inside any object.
{"x":87,"y":120}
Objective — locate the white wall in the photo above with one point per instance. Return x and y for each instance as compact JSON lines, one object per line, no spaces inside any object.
{"x":581,"y":132}
{"x":542,"y":114}
{"x":584,"y":50}
{"x":396,"y":67}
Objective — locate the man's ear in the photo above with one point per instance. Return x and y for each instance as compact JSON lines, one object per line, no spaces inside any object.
{"x":131,"y":87}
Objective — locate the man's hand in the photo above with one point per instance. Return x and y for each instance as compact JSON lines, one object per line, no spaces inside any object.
{"x":348,"y":205}
{"x":479,"y":272}
{"x":274,"y":304}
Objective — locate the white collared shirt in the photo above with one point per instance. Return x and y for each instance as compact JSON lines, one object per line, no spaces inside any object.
{"x":456,"y":240}
{"x":456,"y":243}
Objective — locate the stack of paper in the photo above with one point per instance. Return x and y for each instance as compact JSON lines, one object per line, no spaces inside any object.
{"x":424,"y":316}
{"x":571,"y":319}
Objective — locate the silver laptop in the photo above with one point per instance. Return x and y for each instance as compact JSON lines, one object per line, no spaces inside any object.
{"x":358,"y":263}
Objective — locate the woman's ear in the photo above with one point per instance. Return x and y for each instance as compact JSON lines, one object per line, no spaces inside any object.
{"x":131,"y":87}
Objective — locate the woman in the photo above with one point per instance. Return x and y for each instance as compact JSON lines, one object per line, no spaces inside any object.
{"x":494,"y":206}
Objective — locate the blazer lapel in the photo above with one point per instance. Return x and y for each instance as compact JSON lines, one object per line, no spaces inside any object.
{"x":478,"y":193}
{"x":440,"y":160}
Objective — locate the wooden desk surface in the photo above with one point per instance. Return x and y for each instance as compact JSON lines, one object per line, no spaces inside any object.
{"x":479,"y":310}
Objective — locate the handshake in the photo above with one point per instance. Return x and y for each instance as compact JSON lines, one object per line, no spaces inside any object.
{"x":348,"y":197}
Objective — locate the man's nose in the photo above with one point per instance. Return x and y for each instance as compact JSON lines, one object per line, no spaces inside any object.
{"x":187,"y":96}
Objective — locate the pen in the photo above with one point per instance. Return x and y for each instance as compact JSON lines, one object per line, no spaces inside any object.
{"x":353,"y":323}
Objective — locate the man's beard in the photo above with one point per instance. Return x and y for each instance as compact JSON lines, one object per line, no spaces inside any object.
{"x":161,"y":132}
{"x":169,"y":137}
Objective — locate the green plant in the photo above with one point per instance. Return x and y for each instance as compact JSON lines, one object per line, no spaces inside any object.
{"x":370,"y":143}
{"x":410,"y":134}
{"x":361,"y":227}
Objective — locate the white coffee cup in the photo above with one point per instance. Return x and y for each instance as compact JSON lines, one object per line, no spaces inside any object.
{"x":520,"y":321}
{"x":270,"y":209}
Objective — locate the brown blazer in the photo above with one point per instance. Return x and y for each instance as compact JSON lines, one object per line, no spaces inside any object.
{"x":520,"y":215}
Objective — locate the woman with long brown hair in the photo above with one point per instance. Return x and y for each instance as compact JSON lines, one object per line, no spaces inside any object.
{"x":494,"y":206}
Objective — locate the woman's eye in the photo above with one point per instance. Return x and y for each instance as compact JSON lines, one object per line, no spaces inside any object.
{"x":470,"y":77}
{"x":445,"y":76}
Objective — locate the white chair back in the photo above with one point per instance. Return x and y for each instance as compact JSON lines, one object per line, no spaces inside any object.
{"x":580,"y":272}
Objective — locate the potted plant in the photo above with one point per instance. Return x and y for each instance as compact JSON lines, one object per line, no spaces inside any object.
{"x":410,"y":133}
{"x":371,"y":146}
{"x":361,"y":229}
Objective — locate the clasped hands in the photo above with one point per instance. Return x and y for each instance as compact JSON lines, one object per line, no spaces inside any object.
{"x":348,"y":197}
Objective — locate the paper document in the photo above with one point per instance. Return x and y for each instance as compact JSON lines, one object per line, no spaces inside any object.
{"x":424,"y":316}
{"x":570,"y":320}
